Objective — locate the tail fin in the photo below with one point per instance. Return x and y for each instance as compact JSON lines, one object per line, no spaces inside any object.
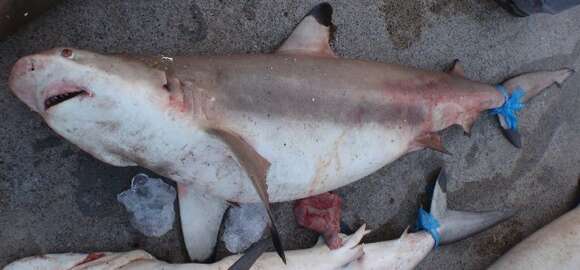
{"x":457,"y":225}
{"x":527,"y":85}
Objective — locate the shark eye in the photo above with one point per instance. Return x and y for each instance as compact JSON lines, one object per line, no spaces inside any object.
{"x":68,"y":53}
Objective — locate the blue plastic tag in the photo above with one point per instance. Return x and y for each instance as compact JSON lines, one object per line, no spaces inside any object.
{"x":511,"y":106}
{"x":427,"y":222}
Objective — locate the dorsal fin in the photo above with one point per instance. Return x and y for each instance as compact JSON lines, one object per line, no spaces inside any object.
{"x":312,"y":35}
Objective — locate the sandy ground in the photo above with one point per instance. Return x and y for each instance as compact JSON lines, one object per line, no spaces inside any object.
{"x":55,"y":198}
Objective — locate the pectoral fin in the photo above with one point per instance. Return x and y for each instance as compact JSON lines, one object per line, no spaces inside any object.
{"x":256,"y":167}
{"x":312,"y":35}
{"x":251,"y":256}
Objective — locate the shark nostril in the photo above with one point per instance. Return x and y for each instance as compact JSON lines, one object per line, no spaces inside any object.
{"x":32,"y":68}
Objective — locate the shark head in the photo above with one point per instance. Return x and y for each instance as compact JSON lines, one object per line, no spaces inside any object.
{"x":96,"y":101}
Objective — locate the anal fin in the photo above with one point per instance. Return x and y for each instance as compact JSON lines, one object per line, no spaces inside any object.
{"x":256,"y":167}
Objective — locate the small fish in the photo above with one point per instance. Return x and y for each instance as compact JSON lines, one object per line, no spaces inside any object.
{"x":253,"y":127}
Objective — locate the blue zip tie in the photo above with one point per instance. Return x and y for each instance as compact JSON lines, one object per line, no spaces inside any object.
{"x":511,"y":106}
{"x":427,"y":222}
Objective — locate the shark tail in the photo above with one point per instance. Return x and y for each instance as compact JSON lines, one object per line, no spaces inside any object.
{"x":448,"y":226}
{"x":519,"y":90}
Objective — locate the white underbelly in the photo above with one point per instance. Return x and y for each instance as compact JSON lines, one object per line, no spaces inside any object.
{"x":306,"y":158}
{"x":323,"y":157}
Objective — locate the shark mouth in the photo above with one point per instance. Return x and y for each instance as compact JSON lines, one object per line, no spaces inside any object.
{"x":60,"y":98}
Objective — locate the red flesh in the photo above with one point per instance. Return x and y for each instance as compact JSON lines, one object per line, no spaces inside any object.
{"x":91,"y":257}
{"x":321,"y":214}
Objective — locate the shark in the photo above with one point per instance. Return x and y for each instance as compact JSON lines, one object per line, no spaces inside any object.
{"x":245,"y":128}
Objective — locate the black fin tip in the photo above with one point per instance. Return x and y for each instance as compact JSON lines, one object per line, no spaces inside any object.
{"x":513,"y":137}
{"x":322,"y":13}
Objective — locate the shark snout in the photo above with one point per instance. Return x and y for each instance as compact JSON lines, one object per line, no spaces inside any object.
{"x":22,"y":82}
{"x":21,"y":67}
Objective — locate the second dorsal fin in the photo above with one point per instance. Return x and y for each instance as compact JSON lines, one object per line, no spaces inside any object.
{"x":312,"y":35}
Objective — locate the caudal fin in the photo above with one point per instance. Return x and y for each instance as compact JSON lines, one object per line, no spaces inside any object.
{"x":524,"y":87}
{"x":456,"y":225}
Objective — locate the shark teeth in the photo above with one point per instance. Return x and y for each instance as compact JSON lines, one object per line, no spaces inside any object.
{"x":54,"y":100}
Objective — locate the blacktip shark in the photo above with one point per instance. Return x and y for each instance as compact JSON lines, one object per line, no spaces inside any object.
{"x":401,"y":254}
{"x":254,"y":127}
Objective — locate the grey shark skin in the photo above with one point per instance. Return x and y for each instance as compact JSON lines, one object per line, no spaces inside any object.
{"x":247,"y":128}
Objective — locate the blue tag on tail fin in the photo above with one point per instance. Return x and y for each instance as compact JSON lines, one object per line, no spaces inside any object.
{"x":511,"y":106}
{"x":427,"y":222}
